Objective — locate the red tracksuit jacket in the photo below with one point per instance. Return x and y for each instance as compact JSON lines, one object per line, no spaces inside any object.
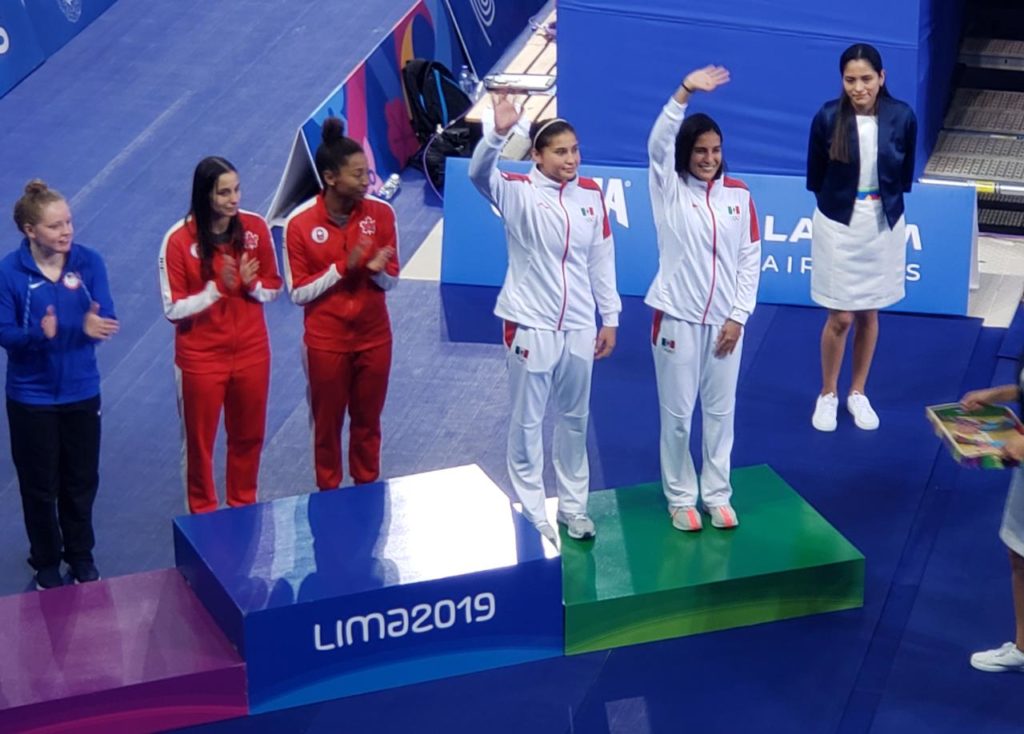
{"x":344,"y":311}
{"x":217,"y":328}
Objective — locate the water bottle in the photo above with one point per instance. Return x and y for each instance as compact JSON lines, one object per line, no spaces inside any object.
{"x":468,"y":82}
{"x":390,"y":188}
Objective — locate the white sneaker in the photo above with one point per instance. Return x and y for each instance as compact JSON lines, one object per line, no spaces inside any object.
{"x":686,"y":519}
{"x":824,"y":418}
{"x":860,"y":408}
{"x":579,"y":527}
{"x":1005,"y":659}
{"x":545,"y":529}
{"x":723,"y":517}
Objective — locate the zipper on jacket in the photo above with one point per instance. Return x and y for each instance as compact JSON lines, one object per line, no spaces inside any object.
{"x":714,"y":252}
{"x":565,"y":256}
{"x":58,"y":348}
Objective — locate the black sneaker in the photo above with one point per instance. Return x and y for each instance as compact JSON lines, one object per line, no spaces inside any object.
{"x":49,"y":578}
{"x":84,"y":571}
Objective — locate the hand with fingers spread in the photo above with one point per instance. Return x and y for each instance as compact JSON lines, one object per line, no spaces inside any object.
{"x":249,"y":269}
{"x":49,"y":323}
{"x":505,"y":113}
{"x":98,"y":327}
{"x":707,"y":79}
{"x":380,"y":259}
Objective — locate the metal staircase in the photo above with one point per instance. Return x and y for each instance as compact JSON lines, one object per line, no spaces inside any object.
{"x":982,"y":142}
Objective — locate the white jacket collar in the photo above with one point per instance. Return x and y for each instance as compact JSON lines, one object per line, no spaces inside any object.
{"x":702,"y":188}
{"x":543,"y":182}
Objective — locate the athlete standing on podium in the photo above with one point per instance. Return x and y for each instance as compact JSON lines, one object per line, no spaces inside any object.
{"x":709,"y":265}
{"x":561,"y":259}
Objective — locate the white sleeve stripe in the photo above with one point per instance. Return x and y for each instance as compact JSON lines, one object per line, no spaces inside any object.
{"x":190,"y":305}
{"x":384,"y":280}
{"x":264,"y":295}
{"x":316,"y":288}
{"x":284,"y":243}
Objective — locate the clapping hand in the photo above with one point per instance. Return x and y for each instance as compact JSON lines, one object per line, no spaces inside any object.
{"x":98,"y":327}
{"x":380,"y":259}
{"x":229,"y":272}
{"x":49,"y":323}
{"x":250,"y":269}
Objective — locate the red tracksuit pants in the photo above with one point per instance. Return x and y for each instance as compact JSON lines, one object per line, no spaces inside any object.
{"x":356,"y":382}
{"x":243,"y":396}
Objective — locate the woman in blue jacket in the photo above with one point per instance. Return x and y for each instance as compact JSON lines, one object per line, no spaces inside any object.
{"x":55,"y":306}
{"x":860,"y":162}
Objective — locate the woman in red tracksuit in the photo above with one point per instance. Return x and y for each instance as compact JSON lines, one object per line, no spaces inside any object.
{"x":341,"y":255}
{"x":217,"y":269}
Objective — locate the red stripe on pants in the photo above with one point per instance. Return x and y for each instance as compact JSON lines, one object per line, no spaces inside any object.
{"x":356,"y":382}
{"x":243,"y":396}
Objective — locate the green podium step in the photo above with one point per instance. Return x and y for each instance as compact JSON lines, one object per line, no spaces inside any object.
{"x":642,"y":580}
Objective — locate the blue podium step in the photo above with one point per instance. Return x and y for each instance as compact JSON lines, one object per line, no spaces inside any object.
{"x":372,"y":587}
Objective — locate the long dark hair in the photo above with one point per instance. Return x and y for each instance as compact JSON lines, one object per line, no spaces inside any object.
{"x":334,"y":150}
{"x":840,"y":148}
{"x":204,"y":182}
{"x":692,"y":128}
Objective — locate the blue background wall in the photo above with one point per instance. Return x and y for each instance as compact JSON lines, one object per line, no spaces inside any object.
{"x":34,"y":30}
{"x":784,"y":62}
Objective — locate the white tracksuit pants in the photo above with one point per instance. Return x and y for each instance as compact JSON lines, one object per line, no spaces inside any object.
{"x":542,"y":362}
{"x":686,"y":365}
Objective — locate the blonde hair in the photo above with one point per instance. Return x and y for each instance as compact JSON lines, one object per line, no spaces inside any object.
{"x":29,"y":208}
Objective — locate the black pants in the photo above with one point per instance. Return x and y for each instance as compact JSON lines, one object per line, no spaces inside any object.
{"x":56,"y":451}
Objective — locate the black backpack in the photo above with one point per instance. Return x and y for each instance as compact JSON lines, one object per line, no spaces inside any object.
{"x":437,"y":108}
{"x":434,"y":97}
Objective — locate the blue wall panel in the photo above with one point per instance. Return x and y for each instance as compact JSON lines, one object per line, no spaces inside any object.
{"x":784,"y":63}
{"x":19,"y":48}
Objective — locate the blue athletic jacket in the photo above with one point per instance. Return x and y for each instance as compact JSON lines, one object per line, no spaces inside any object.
{"x":835,"y":183}
{"x":43,"y":371}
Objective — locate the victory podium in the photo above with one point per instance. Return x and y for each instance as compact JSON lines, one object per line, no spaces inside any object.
{"x":119,"y":656}
{"x":359,"y":589}
{"x":642,"y":580}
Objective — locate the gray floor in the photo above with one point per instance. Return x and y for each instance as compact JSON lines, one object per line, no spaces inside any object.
{"x":1001,"y":280}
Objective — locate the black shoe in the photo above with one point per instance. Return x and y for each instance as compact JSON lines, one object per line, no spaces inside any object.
{"x":84,"y":571}
{"x":49,"y":578}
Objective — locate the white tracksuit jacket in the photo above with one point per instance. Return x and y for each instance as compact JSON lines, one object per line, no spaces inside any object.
{"x":708,"y":237}
{"x":561,"y":256}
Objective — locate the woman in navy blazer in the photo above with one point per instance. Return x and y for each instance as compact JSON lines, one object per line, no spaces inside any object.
{"x":860,"y":162}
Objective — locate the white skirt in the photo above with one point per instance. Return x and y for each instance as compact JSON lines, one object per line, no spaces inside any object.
{"x":1012,"y":530}
{"x":860,"y":267}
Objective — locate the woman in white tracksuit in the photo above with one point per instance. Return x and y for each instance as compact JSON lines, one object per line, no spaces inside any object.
{"x":709,"y":264}
{"x":561,"y":259}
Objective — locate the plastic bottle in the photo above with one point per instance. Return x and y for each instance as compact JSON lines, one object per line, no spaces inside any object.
{"x":468,"y":82}
{"x":390,"y":188}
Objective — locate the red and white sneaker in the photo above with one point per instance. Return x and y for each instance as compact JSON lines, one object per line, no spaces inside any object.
{"x":723,"y":517}
{"x":686,"y":518}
